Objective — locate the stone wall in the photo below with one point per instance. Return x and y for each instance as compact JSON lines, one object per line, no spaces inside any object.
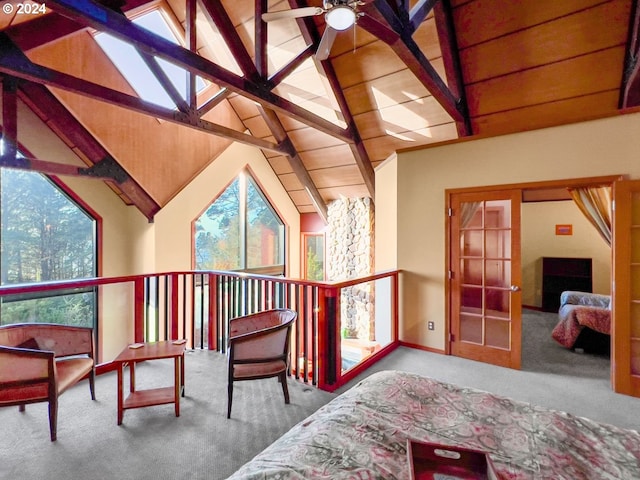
{"x":350,"y":246}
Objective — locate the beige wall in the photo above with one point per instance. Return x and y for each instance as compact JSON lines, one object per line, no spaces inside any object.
{"x":172,"y":239}
{"x":540,"y":240}
{"x":602,"y":147}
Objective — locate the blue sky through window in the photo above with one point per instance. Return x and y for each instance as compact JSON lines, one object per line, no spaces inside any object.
{"x":126,"y":58}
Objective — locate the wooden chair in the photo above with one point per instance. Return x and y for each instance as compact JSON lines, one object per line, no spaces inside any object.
{"x":259,"y":348}
{"x":39,"y":361}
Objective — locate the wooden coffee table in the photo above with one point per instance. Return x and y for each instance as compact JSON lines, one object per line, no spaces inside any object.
{"x":155,"y":396}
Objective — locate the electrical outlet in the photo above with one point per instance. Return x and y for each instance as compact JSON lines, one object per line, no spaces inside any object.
{"x":431,"y":326}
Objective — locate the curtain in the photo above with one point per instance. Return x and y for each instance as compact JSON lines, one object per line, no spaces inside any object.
{"x":595,"y":204}
{"x":467,"y":211}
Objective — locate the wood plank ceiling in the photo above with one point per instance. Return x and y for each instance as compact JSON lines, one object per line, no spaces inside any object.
{"x":410,"y":73}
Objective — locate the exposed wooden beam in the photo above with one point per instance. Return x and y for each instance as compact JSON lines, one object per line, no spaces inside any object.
{"x":295,"y":161}
{"x":43,"y":29}
{"x":420,"y":11}
{"x":451,"y":60}
{"x":311,"y":35}
{"x":410,"y":53}
{"x":103,"y":19}
{"x":285,"y":71}
{"x":14,"y":62}
{"x":77,"y":137}
{"x":165,"y":82}
{"x":217,"y":15}
{"x":630,"y":90}
{"x":210,"y":104}
{"x":191,"y":39}
{"x":231,"y":37}
{"x":10,"y":118}
{"x":261,"y":41}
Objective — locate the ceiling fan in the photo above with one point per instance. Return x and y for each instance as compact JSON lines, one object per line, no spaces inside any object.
{"x":339,"y":15}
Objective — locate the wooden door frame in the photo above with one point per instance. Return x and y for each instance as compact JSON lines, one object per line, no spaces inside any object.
{"x":549,"y":184}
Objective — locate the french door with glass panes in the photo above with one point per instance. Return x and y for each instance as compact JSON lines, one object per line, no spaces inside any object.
{"x":484,"y":290}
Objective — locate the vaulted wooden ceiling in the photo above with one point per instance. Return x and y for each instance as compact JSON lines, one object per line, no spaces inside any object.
{"x":410,"y":73}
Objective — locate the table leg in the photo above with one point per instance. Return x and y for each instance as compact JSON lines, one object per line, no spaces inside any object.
{"x":182,"y":373}
{"x":120,"y":392}
{"x":177,"y":382}
{"x":132,"y":376}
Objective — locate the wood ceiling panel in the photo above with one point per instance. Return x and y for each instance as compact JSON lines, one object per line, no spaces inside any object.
{"x":365,"y":64}
{"x":289,"y":123}
{"x":350,"y":191}
{"x":327,"y":157}
{"x":426,"y":37}
{"x":336,"y":176}
{"x":344,"y":43}
{"x":290,"y":182}
{"x":300,"y":197}
{"x":258,"y":127}
{"x":548,"y":114}
{"x":306,"y":209}
{"x":398,"y":87}
{"x":416,"y":115}
{"x":582,"y":33}
{"x":481,"y":20}
{"x":379,"y":148}
{"x":243,"y":107}
{"x":310,"y":139}
{"x":280,"y":165}
{"x":558,"y":81}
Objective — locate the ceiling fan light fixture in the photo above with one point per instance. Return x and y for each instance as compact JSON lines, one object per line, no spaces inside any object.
{"x":340,"y":17}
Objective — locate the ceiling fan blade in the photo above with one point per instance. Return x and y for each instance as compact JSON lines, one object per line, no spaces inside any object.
{"x":326,"y":42}
{"x":294,"y":13}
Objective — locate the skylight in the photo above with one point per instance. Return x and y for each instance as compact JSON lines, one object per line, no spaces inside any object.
{"x":127,"y":59}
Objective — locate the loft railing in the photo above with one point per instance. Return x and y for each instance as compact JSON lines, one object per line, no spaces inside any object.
{"x":342,"y":327}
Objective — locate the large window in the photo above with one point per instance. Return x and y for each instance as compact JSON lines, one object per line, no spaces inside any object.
{"x":44,"y":236}
{"x":240,"y":231}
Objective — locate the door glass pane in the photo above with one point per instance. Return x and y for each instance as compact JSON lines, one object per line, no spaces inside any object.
{"x":471,"y":299}
{"x":498,"y":273}
{"x":497,"y":333}
{"x":497,"y":302}
{"x":471,"y":328}
{"x":497,"y":214}
{"x":498,"y":243}
{"x":471,"y":215}
{"x":471,"y":243}
{"x":471,"y":272}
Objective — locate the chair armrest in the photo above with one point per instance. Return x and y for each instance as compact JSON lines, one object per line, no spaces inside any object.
{"x":23,"y":364}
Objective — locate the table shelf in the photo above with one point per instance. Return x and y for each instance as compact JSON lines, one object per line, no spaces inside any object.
{"x":150,"y":397}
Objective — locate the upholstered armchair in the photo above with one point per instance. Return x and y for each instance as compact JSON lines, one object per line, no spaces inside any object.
{"x":259,"y":348}
{"x":39,"y":361}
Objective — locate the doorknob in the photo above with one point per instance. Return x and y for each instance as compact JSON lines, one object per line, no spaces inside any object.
{"x":515,"y":288}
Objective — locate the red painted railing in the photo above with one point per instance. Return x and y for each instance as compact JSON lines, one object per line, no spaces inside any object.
{"x":342,"y":327}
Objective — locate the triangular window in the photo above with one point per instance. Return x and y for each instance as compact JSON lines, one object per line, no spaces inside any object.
{"x":241,"y":231}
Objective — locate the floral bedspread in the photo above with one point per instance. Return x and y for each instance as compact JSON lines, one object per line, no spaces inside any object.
{"x":362,"y":435}
{"x":573,"y":318}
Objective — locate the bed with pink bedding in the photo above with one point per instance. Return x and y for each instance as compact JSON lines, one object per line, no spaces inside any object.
{"x":362,"y":434}
{"x":580,"y":310}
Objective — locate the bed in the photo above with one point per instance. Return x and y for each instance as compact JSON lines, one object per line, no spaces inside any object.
{"x":362,"y":434}
{"x":584,"y":321}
